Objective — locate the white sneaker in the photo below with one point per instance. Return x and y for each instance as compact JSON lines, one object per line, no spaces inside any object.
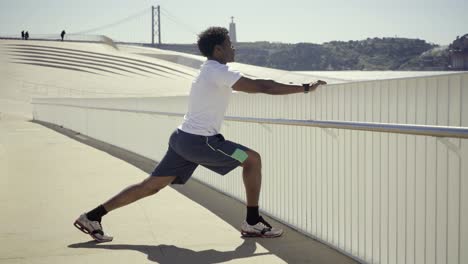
{"x":261,"y":229}
{"x":92,"y":228}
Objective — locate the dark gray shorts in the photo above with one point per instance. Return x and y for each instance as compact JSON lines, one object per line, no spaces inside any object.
{"x":186,"y":151}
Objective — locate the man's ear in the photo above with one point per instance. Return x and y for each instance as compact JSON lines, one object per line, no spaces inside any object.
{"x":217,"y":48}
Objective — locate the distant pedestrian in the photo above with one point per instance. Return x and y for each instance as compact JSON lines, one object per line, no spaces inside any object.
{"x":22,"y":34}
{"x":26,"y":35}
{"x":63,"y":34}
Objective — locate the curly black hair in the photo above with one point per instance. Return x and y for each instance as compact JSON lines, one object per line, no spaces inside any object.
{"x":211,"y":37}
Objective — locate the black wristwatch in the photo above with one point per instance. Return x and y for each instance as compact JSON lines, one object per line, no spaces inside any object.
{"x":306,"y":87}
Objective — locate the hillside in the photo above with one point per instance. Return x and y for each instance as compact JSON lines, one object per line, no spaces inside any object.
{"x":369,"y":54}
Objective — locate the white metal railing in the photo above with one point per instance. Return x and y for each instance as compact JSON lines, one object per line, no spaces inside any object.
{"x":436,"y":131}
{"x":379,"y":196}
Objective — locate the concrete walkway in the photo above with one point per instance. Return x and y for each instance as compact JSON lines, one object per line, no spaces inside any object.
{"x":47,"y":179}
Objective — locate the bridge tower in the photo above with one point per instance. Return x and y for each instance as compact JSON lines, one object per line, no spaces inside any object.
{"x":155,"y":24}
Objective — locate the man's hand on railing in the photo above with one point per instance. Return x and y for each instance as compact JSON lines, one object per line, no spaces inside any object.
{"x":316,"y":84}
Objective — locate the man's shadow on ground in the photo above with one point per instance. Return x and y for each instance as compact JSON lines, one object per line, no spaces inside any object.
{"x":173,"y":254}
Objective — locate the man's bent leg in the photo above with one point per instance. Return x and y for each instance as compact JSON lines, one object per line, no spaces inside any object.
{"x":149,"y":186}
{"x":252,"y":176}
{"x":255,"y":225}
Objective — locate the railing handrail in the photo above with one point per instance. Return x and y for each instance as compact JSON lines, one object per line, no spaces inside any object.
{"x":436,"y":131}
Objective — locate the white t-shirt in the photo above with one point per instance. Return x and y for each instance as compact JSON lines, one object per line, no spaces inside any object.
{"x":209,"y":98}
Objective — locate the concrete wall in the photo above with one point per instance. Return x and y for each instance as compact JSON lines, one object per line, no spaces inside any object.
{"x":380,"y":197}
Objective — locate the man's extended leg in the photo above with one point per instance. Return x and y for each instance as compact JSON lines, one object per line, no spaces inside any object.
{"x":90,"y":223}
{"x":149,"y":186}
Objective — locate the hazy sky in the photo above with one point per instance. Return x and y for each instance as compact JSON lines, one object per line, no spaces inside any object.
{"x":257,"y":20}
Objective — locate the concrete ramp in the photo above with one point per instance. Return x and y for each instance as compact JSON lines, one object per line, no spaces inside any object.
{"x":48,"y":179}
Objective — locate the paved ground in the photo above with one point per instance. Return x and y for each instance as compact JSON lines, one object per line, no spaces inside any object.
{"x":47,"y":179}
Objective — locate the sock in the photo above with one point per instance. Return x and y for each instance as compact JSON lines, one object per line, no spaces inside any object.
{"x":97,"y":213}
{"x":252,"y":215}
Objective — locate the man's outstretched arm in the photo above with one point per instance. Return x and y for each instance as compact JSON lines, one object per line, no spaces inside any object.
{"x":271,"y":87}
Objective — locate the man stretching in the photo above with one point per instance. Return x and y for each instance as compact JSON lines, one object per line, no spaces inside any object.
{"x":197,"y":140}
